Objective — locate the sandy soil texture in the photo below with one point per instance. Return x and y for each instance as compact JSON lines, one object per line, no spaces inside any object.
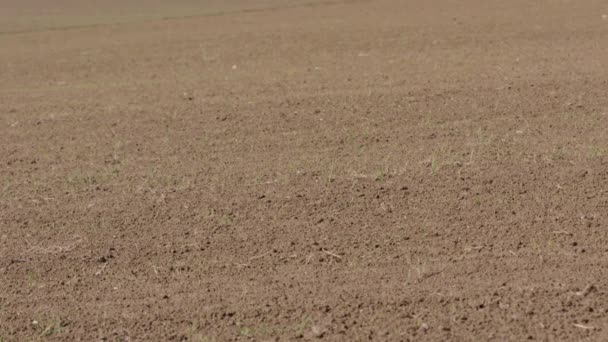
{"x":388,"y":170}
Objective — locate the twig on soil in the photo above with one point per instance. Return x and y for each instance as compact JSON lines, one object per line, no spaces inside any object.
{"x":561,"y":232}
{"x":332,"y":254}
{"x":100,"y":271}
{"x":155,"y":269}
{"x":585,"y":327}
{"x":431,"y":274}
{"x":252,"y":258}
{"x":54,"y":249}
{"x":474,"y":248}
{"x":259,"y":256}
{"x":588,"y":289}
{"x":15,"y":261}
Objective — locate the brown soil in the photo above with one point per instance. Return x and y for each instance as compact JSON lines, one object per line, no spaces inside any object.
{"x":357,"y":170}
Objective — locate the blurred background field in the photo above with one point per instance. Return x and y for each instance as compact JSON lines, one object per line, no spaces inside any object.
{"x":36,"y":15}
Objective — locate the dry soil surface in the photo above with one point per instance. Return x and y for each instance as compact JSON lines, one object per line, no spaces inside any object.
{"x":351,"y":170}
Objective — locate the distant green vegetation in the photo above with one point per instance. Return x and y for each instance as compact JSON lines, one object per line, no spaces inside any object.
{"x":33,"y":16}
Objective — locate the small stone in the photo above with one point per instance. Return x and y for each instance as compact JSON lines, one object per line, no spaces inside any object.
{"x":317,"y":331}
